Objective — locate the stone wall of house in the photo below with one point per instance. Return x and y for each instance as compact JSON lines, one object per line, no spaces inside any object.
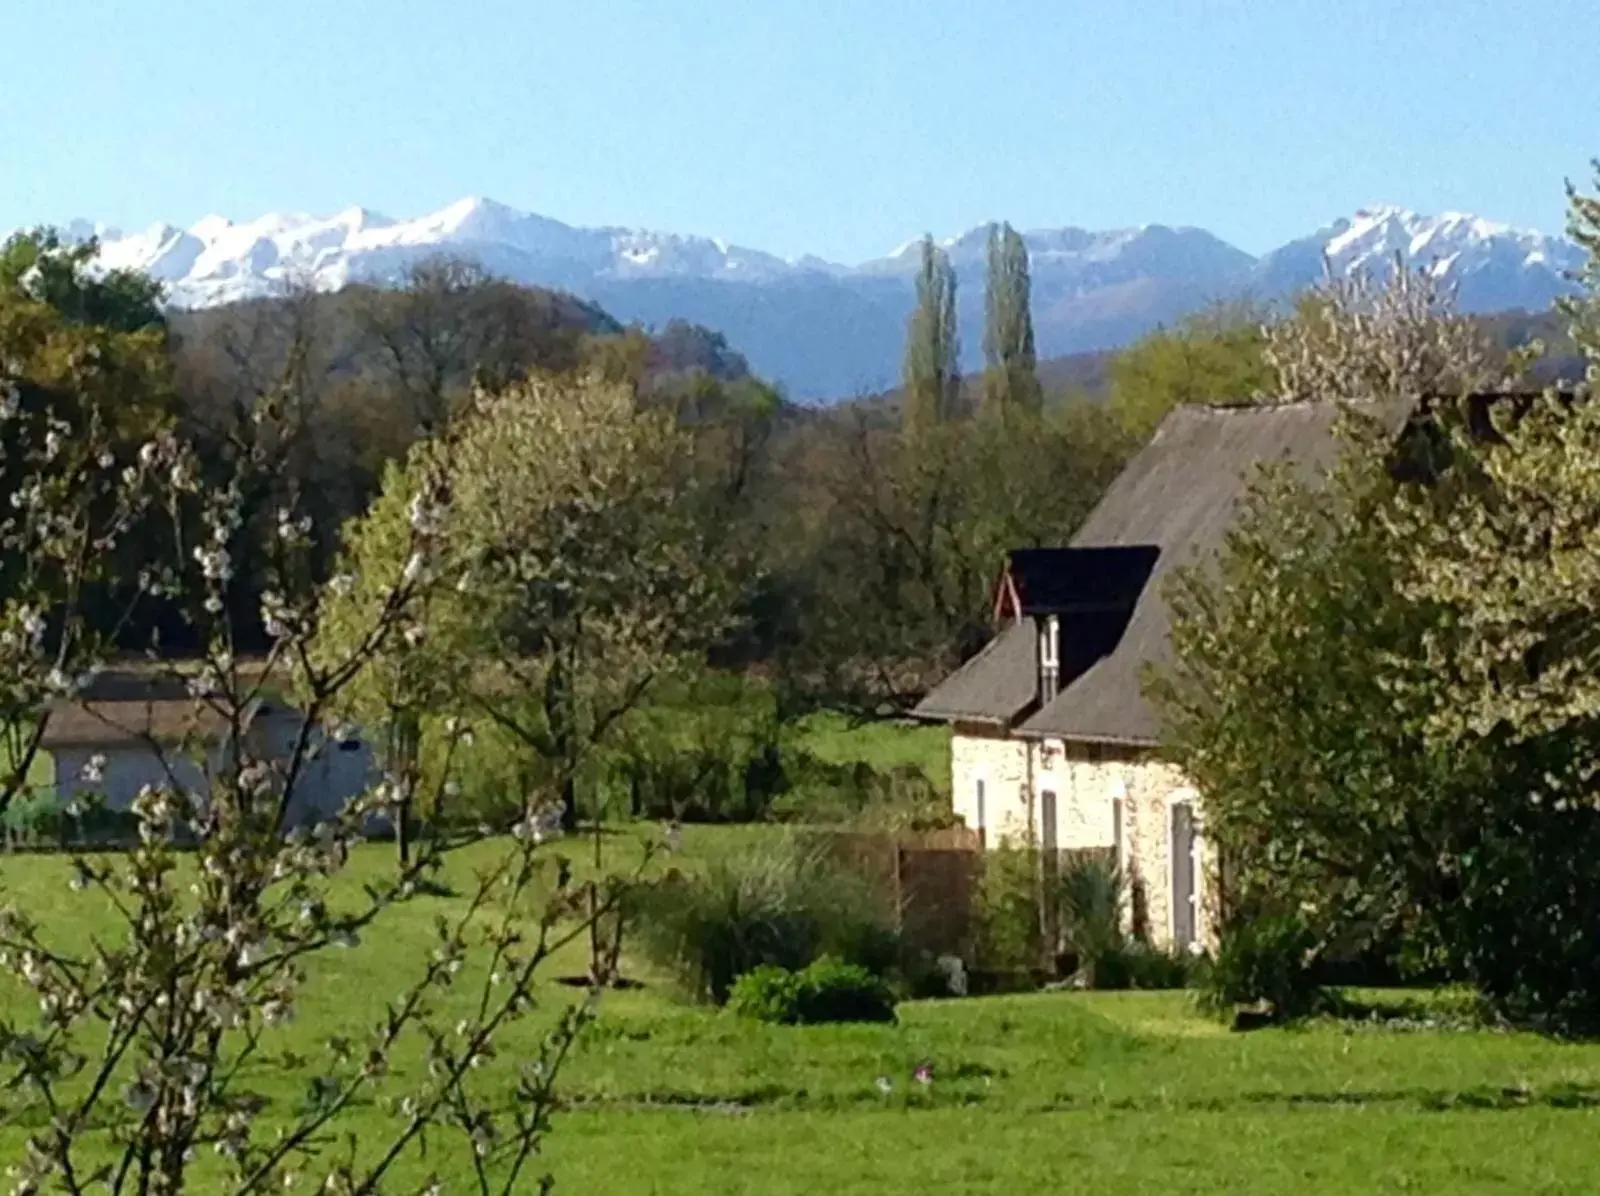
{"x":987,"y":757}
{"x":1089,"y":782}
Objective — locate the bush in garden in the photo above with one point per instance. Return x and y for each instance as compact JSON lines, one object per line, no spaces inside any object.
{"x":821,"y":791}
{"x":825,"y":991}
{"x":1139,"y":965}
{"x":705,"y":750}
{"x":901,"y":798}
{"x":1010,"y":931}
{"x":1267,"y":964}
{"x":831,"y":991}
{"x":768,"y":993}
{"x":1088,"y":892}
{"x":35,"y":817}
{"x":783,"y":904}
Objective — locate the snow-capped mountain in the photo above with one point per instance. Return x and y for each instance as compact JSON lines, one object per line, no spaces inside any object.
{"x":217,"y":261}
{"x":824,"y":329}
{"x":1491,"y":266}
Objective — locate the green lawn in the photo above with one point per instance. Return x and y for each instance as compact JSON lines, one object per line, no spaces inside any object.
{"x":41,"y":769}
{"x":1051,"y":1092}
{"x":884,"y":745}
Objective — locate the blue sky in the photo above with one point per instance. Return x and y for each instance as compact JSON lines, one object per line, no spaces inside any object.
{"x":840,"y":127}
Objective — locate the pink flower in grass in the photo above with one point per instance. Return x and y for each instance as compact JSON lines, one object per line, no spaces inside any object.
{"x":923,"y":1075}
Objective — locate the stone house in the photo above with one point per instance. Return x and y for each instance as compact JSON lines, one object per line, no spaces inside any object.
{"x":1053,"y":742}
{"x":147,"y":730}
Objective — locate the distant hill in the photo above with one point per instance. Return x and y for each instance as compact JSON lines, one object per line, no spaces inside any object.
{"x":824,"y":330}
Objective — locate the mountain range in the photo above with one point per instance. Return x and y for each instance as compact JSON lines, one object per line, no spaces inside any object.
{"x":822,"y":329}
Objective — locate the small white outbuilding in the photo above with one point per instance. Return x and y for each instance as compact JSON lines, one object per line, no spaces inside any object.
{"x":131,"y":730}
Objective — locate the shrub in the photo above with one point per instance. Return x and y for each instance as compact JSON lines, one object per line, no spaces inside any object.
{"x":1138,"y":965}
{"x":831,"y":991}
{"x":42,"y":819}
{"x":491,"y":781}
{"x":825,"y":991}
{"x":767,"y":994}
{"x":1010,"y":933}
{"x":1089,"y":897}
{"x":783,"y":904}
{"x":822,"y":791}
{"x":901,"y":797}
{"x":37,"y":817}
{"x":1267,"y":963}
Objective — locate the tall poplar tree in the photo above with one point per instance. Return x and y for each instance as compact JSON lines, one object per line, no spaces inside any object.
{"x":1010,"y":378}
{"x":932,"y":370}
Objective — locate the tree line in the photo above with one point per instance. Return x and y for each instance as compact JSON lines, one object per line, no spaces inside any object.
{"x":866,"y":535}
{"x":865,"y":542}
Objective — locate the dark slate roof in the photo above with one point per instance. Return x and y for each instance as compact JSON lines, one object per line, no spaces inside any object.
{"x":129,"y":708}
{"x":1178,"y":494}
{"x":995,"y":686}
{"x":1056,"y":580}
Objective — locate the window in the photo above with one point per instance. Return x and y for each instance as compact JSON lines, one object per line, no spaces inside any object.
{"x":1049,"y":658}
{"x":982,"y":813}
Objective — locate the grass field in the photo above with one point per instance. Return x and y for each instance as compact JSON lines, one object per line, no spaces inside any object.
{"x":884,"y":745}
{"x":1108,"y":1093}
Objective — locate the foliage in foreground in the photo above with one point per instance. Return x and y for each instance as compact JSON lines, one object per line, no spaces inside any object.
{"x":143,"y":1046}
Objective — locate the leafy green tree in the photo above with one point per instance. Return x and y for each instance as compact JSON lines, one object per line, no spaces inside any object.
{"x":412,"y":685}
{"x":933,"y":350}
{"x":1583,"y":311}
{"x":1505,"y":547}
{"x":1321,"y":790}
{"x":78,"y":401}
{"x":39,"y":266}
{"x":1509,"y":550}
{"x":1214,"y":357}
{"x":575,"y":572}
{"x":906,"y":535}
{"x":1010,"y":378}
{"x":1383,"y":685}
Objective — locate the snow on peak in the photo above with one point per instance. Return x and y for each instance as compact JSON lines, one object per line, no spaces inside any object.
{"x":1490,"y":265}
{"x":217,"y":260}
{"x":1383,"y":231}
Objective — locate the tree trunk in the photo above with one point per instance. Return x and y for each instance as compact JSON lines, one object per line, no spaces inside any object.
{"x":402,"y":831}
{"x":406,"y":746}
{"x":569,"y":804}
